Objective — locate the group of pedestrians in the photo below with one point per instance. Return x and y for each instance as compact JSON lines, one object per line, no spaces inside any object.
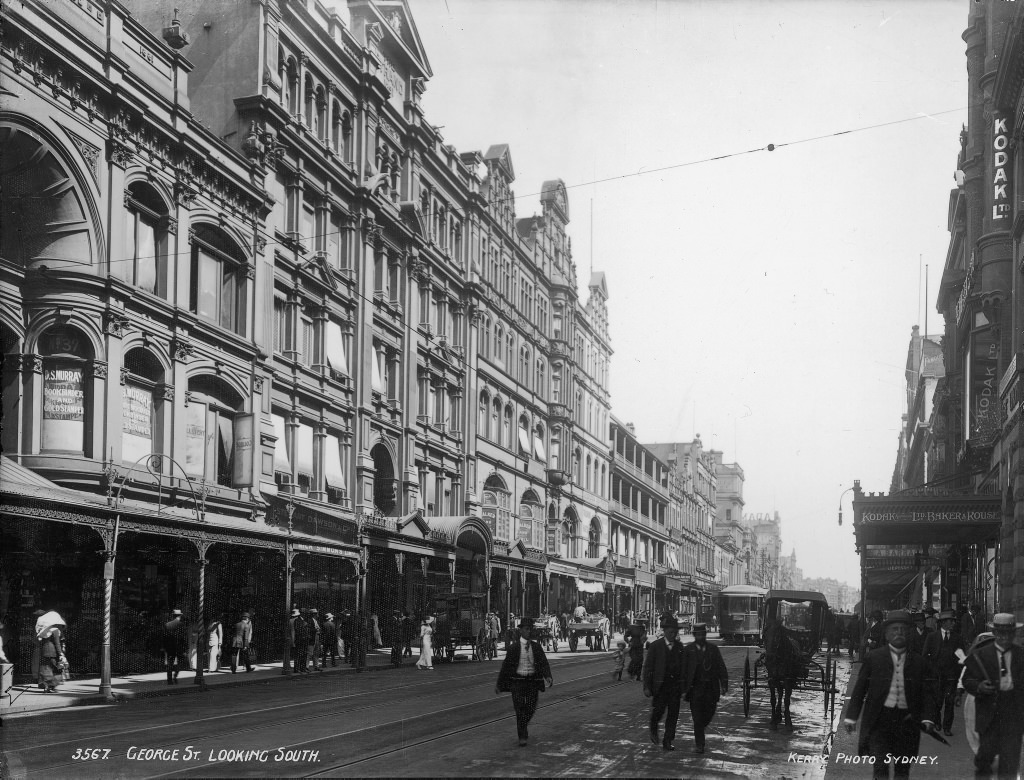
{"x":913,"y":677}
{"x":235,"y":641}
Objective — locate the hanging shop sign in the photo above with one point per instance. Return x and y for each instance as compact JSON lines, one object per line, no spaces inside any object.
{"x":1001,"y":208}
{"x":242,"y":472}
{"x":931,"y":517}
{"x":984,"y":403}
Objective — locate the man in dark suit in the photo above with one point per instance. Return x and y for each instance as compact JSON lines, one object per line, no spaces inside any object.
{"x":175,"y":645}
{"x":919,"y":634}
{"x":524,"y":672}
{"x":971,"y":624}
{"x":894,"y":697}
{"x":940,"y":649}
{"x":705,"y":679}
{"x":663,"y":680}
{"x":995,"y":675}
{"x":240,"y":642}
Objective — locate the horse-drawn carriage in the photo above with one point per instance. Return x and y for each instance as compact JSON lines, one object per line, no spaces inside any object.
{"x":794,"y":625}
{"x":460,"y":624}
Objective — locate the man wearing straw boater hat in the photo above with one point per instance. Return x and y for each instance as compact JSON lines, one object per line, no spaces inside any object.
{"x":995,"y":675}
{"x":894,"y":697}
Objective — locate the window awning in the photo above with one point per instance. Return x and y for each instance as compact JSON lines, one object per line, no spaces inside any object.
{"x":589,"y":586}
{"x":304,"y":449}
{"x":524,"y":440}
{"x":335,"y":344}
{"x":281,"y":462}
{"x":538,"y":448}
{"x":333,"y":472}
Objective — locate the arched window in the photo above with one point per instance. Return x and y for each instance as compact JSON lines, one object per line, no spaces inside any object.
{"x":565,"y":539}
{"x":218,"y":279}
{"x":292,"y":88}
{"x":210,"y":410}
{"x":346,"y":137}
{"x":499,"y":343}
{"x":531,"y":520}
{"x":524,"y":366}
{"x":483,"y":415}
{"x":594,"y":543}
{"x":494,"y":507}
{"x":336,"y":127}
{"x":485,"y":338}
{"x":577,"y":476}
{"x":141,"y":406}
{"x":144,"y":263}
{"x":506,"y":428}
{"x":587,"y":483}
{"x":38,"y":195}
{"x":320,"y":128}
{"x":510,"y":353}
{"x":538,"y":443}
{"x":67,"y":397}
{"x":538,"y":377}
{"x":309,"y":103}
{"x":495,"y":428}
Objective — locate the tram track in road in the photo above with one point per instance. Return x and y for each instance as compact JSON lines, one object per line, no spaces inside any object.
{"x":124,"y":737}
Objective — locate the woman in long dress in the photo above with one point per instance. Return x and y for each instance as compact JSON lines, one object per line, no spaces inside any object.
{"x":426,"y":659}
{"x":51,"y":650}
{"x":215,"y":640}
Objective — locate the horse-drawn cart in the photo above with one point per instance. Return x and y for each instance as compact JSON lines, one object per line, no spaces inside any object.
{"x":596,"y":633}
{"x":793,"y":628}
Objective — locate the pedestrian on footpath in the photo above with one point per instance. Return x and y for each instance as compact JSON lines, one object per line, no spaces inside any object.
{"x":300,"y":635}
{"x":313,"y":638}
{"x":346,"y":624}
{"x":214,"y":642}
{"x":663,"y":680}
{"x":705,"y":680}
{"x":294,"y":651}
{"x":49,"y":637}
{"x":944,"y":649}
{"x":995,"y":676}
{"x":525,"y":672}
{"x":329,"y":641}
{"x":175,"y":645}
{"x":971,"y":624}
{"x":920,"y":633}
{"x":408,"y":633}
{"x":240,"y":643}
{"x":636,"y":636}
{"x":426,"y":659}
{"x":894,"y":698}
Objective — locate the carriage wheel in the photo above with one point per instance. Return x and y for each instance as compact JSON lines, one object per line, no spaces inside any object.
{"x":573,"y":642}
{"x":746,"y":687}
{"x":554,"y":644}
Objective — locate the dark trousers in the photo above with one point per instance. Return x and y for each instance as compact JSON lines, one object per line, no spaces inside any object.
{"x":893,"y":735}
{"x":667,"y":698}
{"x":1003,"y":736}
{"x":174,"y":660}
{"x":396,"y":652}
{"x":524,"y":702}
{"x":945,"y":705}
{"x":240,"y":657}
{"x":702,"y":710}
{"x":330,"y":650}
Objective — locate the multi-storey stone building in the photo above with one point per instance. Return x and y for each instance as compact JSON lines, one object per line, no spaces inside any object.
{"x":275,"y":341}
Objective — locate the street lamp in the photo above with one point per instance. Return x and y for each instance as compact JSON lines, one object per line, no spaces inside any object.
{"x":841,"y":500}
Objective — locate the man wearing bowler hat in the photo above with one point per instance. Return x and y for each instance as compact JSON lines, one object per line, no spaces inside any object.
{"x":894,"y":697}
{"x":940,"y":648}
{"x":705,"y":679}
{"x":995,"y":675}
{"x":525,"y":673}
{"x":662,"y":676}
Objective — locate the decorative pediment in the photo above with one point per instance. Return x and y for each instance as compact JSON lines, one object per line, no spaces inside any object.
{"x":501,"y":156}
{"x":414,"y":525}
{"x":517,"y":550}
{"x":318,"y":266}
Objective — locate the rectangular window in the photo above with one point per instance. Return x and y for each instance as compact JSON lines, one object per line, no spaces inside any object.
{"x":208,"y":284}
{"x":376,"y":383}
{"x":308,"y":342}
{"x":307,"y":227}
{"x":63,"y":427}
{"x":136,"y":423}
{"x":334,"y":473}
{"x":280,"y":321}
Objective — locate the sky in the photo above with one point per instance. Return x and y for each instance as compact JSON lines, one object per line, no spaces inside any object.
{"x":761,"y":299}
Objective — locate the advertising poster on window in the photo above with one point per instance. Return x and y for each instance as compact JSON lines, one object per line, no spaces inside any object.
{"x":984,"y":400}
{"x":195,"y":439}
{"x":136,"y":423}
{"x":63,"y":408}
{"x":242,"y":475}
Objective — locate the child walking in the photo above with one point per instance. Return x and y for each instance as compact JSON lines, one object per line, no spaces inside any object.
{"x":619,"y":659}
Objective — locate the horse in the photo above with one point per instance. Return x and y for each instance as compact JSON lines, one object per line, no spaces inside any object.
{"x":783,"y":662}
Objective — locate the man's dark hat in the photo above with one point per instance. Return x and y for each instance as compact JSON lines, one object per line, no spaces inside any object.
{"x":877,"y":615}
{"x":897,"y":616}
{"x":700,"y":627}
{"x":669,"y":622}
{"x":526,"y":622}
